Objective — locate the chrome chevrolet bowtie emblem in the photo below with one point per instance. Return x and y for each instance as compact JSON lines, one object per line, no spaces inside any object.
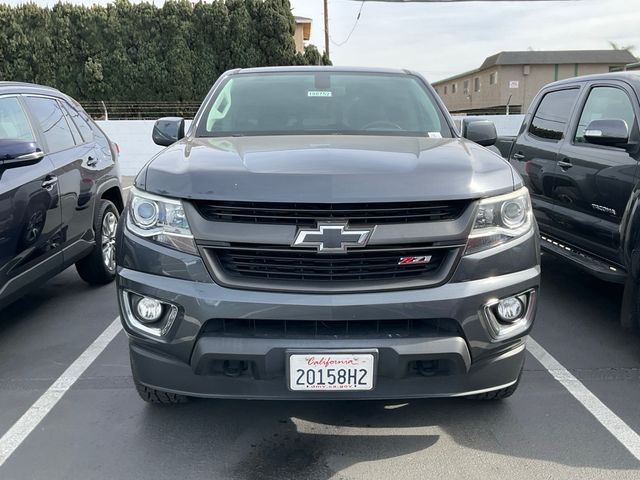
{"x":332,"y":237}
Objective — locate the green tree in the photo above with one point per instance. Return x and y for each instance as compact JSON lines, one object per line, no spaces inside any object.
{"x":628,"y":48}
{"x":125,"y":51}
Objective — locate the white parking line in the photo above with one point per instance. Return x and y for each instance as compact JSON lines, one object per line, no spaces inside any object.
{"x":11,"y":440}
{"x":609,"y":420}
{"x":127,"y":188}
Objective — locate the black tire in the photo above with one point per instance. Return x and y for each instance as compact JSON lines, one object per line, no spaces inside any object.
{"x":158,"y":397}
{"x":630,"y":309}
{"x":501,"y":394}
{"x":633,"y":323}
{"x":93,"y":268}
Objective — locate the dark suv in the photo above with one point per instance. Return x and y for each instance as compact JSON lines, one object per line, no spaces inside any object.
{"x":60,"y":195}
{"x":326,"y":233}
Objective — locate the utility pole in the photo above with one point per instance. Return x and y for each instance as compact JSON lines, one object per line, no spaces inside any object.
{"x":326,"y":28}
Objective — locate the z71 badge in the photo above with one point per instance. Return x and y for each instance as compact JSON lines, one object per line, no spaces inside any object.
{"x":415,"y":260}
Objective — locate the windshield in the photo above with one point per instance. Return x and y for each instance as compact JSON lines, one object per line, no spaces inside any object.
{"x":323,"y":103}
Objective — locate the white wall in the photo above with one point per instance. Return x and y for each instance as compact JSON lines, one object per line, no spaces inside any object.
{"x":134,"y":139}
{"x":136,"y":146}
{"x":506,"y":125}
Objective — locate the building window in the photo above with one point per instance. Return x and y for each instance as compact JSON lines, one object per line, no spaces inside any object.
{"x":493,"y":78}
{"x":454,"y":88}
{"x":476,"y":84}
{"x":445,"y":89}
{"x":465,"y":87}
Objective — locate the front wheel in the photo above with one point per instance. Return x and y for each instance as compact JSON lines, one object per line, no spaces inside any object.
{"x":500,"y":394}
{"x":99,"y":267}
{"x":630,"y":309}
{"x":158,"y":397}
{"x":495,"y":394}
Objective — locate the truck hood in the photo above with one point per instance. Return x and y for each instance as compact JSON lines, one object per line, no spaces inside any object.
{"x":326,"y":169}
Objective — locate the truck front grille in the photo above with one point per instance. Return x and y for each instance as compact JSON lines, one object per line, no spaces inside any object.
{"x":307,"y":214}
{"x":289,"y":264}
{"x":275,"y":267}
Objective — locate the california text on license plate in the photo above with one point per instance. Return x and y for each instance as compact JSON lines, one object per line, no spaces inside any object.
{"x":331,"y":371}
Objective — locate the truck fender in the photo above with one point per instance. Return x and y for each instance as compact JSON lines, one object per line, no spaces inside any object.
{"x":630,"y":242}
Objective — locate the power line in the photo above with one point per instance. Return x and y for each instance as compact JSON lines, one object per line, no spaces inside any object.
{"x":353,"y":29}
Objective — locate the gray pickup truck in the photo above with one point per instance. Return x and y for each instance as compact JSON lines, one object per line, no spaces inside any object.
{"x":325,"y":233}
{"x":578,"y":151}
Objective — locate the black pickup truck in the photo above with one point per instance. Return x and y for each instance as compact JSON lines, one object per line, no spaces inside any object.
{"x":578,"y":151}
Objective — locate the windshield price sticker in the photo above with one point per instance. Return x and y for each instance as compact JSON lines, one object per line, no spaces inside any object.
{"x":331,"y":372}
{"x":318,"y":93}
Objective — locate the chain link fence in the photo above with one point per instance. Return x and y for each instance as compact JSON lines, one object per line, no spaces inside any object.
{"x":122,"y":110}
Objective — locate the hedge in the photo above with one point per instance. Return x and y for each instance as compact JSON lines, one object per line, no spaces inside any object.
{"x":125,"y":51}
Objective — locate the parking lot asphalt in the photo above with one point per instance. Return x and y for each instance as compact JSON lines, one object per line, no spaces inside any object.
{"x":100,"y":429}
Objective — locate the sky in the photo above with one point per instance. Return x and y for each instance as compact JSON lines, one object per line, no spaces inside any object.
{"x":444,"y":39}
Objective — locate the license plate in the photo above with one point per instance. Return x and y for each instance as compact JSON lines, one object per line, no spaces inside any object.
{"x":331,"y":371}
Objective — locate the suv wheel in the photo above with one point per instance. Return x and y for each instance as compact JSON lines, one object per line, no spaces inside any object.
{"x":158,"y":397}
{"x":99,"y":267}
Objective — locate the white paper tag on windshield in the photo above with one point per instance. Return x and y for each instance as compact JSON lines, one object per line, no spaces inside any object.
{"x":434,"y":135}
{"x":318,"y":93}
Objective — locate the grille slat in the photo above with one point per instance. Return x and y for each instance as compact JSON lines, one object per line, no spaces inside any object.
{"x":370,"y":250}
{"x":306,"y":214}
{"x":311,"y":261}
{"x":321,"y":268}
{"x":324,"y":276}
{"x":335,"y":208}
{"x":289,"y":264}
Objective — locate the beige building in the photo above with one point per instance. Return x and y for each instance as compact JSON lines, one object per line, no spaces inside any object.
{"x":302,"y":33}
{"x":514,"y":78}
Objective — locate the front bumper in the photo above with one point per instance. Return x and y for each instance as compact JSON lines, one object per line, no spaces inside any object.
{"x":185,"y":359}
{"x":162,"y":372}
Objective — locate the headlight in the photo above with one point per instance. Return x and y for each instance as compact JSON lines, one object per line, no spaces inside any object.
{"x":500,"y":219}
{"x":160,"y":219}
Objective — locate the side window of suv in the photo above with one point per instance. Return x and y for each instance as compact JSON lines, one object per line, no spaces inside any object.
{"x":605,"y":103}
{"x":52,"y":122}
{"x":13,"y":121}
{"x":80,"y":123}
{"x":552,"y":115}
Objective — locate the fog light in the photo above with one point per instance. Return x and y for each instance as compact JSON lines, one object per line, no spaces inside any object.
{"x":149,"y":310}
{"x":510,"y":309}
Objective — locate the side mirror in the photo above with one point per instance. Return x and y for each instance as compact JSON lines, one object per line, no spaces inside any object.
{"x":614,"y":133}
{"x":19,"y":153}
{"x":482,"y":132}
{"x":168,"y":130}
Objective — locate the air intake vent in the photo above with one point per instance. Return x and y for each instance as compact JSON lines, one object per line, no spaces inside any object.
{"x":307,"y":214}
{"x":334,"y":329}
